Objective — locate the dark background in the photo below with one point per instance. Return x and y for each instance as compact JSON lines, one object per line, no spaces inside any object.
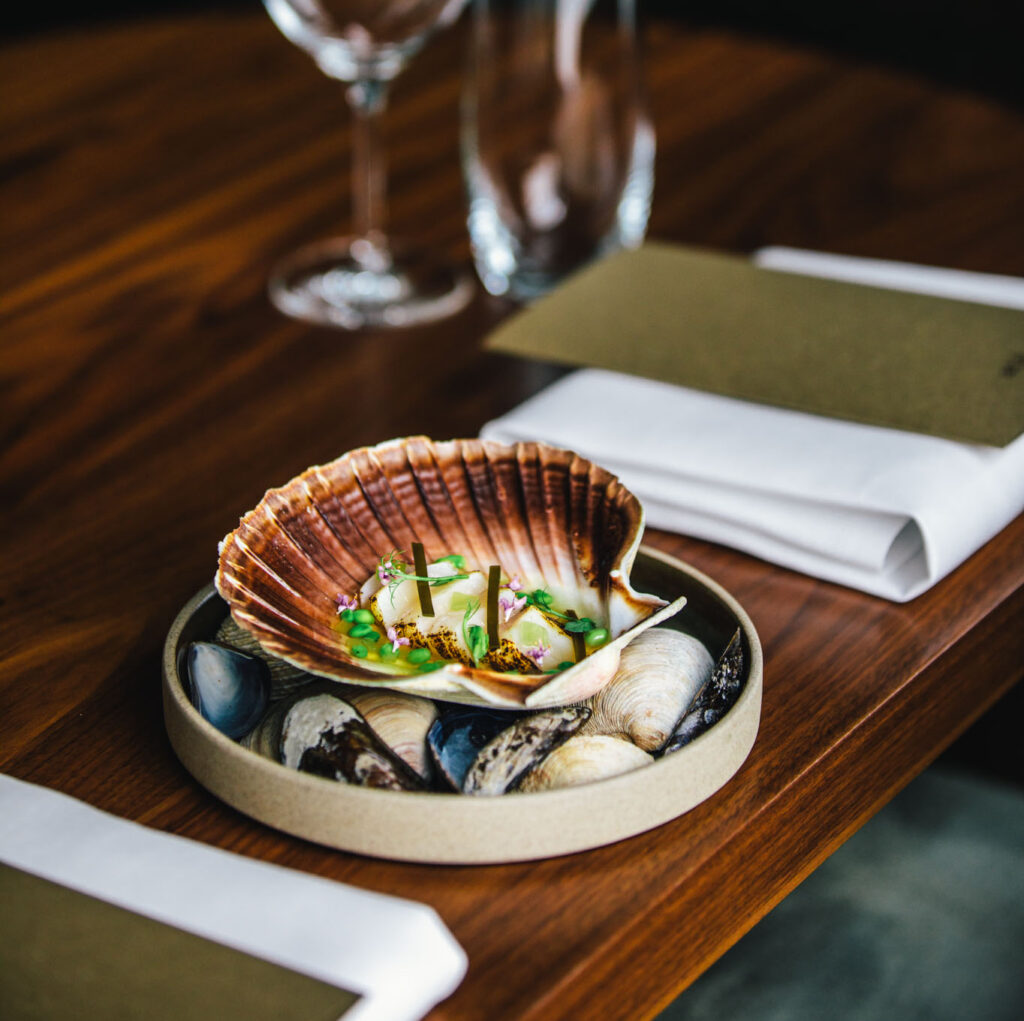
{"x":978,"y":46}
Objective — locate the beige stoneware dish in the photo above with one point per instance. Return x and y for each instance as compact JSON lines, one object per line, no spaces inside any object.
{"x":453,"y":828}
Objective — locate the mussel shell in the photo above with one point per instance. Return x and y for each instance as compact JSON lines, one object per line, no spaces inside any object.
{"x":230,"y":689}
{"x":456,"y":737}
{"x":265,"y":737}
{"x":284,"y":677}
{"x":715,"y":699}
{"x":556,"y":520}
{"x":326,"y":736}
{"x":506,"y":759}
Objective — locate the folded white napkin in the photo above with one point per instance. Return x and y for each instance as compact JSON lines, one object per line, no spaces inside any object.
{"x":396,"y":954}
{"x":881,"y":510}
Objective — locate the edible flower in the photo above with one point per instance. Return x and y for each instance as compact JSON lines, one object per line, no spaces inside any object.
{"x":396,"y":639}
{"x":537,"y":653}
{"x":511,"y":605}
{"x":391,"y":568}
{"x":347,"y":602}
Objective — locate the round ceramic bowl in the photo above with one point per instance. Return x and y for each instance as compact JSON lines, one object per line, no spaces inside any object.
{"x":462,"y":829}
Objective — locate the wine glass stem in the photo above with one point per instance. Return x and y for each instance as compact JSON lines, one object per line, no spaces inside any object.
{"x":368,"y":99}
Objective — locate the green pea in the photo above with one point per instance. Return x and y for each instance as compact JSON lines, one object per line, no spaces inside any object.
{"x":348,"y":615}
{"x":419,"y":655}
{"x":360,"y":651}
{"x":373,"y":636}
{"x":598,"y":636}
{"x":565,"y":664}
{"x":363,"y":616}
{"x":388,"y":652}
{"x":360,"y":630}
{"x":426,"y":668}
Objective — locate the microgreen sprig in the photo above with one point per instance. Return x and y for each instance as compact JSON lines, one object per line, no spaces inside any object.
{"x":394,"y":569}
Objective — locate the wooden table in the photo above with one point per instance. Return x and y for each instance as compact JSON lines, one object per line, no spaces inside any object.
{"x":150,"y":393}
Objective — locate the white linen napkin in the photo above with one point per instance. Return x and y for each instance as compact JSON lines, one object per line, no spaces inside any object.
{"x":396,"y":954}
{"x":881,"y":510}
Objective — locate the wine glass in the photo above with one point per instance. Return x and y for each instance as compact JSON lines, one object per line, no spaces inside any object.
{"x":364,"y":280}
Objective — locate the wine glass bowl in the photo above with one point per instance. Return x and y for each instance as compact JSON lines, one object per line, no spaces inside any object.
{"x":365,"y":280}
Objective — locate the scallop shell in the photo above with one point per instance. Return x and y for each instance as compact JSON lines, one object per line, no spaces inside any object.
{"x":659,"y":676}
{"x":556,"y":520}
{"x":585,"y":758}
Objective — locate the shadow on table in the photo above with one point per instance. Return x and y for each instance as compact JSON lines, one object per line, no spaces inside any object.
{"x":919,"y":916}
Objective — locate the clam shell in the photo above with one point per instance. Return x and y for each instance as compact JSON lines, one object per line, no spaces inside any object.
{"x":585,"y":758}
{"x":658,"y":678}
{"x":401,"y":722}
{"x":556,"y":520}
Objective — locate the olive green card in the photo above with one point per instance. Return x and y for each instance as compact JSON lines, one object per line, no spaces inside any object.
{"x":66,"y":955}
{"x":719,"y":323}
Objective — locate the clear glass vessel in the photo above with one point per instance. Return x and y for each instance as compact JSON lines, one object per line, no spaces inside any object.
{"x":557,"y":147}
{"x":365,"y":280}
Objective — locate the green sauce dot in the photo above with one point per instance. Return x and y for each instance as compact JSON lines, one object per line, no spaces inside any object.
{"x":360,"y":651}
{"x":598,"y":636}
{"x":565,"y":664}
{"x":363,"y":616}
{"x":419,"y":655}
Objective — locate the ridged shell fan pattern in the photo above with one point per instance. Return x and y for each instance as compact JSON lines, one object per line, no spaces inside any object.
{"x":548,"y":516}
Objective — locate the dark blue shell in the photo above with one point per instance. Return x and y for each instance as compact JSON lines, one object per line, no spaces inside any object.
{"x":229,"y":688}
{"x":457,"y":736}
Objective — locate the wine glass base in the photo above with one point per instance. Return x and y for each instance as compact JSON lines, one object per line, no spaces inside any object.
{"x":352,"y":283}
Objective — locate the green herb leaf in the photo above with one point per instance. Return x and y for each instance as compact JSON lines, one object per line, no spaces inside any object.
{"x":477,"y":642}
{"x":580,"y":626}
{"x":474,"y":636}
{"x":453,"y":558}
{"x":579,"y":645}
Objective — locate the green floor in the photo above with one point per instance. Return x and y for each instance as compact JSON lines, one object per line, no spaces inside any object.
{"x":919,"y":917}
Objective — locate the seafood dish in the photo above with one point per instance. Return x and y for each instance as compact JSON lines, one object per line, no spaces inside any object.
{"x":666,"y":691}
{"x":457,"y":618}
{"x":462,"y":571}
{"x":372,"y":769}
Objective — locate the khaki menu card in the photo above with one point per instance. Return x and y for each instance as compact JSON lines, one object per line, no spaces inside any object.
{"x":64,"y":955}
{"x":717,"y":322}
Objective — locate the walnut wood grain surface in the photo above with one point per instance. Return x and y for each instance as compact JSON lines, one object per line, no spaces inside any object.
{"x":149,"y":394}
